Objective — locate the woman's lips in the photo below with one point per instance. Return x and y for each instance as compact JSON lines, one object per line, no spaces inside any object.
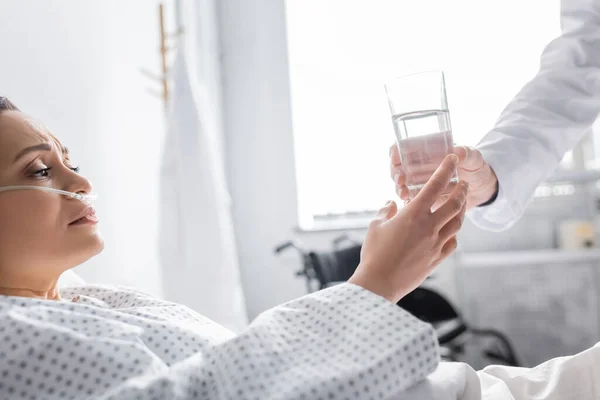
{"x":88,"y":218}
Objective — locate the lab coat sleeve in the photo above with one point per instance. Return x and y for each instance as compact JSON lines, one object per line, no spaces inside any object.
{"x":547,"y":118}
{"x":343,"y":342}
{"x":573,"y":377}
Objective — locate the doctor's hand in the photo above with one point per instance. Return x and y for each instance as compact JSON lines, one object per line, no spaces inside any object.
{"x":403,"y":246}
{"x":472,"y":168}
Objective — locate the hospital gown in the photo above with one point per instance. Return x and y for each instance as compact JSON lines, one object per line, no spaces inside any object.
{"x":103,"y":342}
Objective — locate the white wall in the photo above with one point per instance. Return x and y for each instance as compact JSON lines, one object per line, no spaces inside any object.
{"x":259,"y":147}
{"x":75,"y":65}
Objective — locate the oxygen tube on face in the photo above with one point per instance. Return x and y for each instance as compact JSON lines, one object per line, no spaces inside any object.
{"x":86,"y":198}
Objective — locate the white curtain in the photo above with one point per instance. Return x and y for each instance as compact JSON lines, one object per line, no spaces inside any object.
{"x":198,"y":252}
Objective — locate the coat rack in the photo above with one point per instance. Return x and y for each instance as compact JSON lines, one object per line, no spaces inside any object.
{"x":164,"y":49}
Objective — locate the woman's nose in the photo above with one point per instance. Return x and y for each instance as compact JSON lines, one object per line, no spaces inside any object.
{"x":78,"y":183}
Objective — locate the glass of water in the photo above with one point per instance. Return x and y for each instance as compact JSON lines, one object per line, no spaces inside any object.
{"x":422,"y":125}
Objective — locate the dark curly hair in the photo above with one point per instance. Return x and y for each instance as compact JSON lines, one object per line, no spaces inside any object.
{"x":7,"y":105}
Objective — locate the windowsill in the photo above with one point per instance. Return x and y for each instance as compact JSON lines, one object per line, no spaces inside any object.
{"x":342,"y":224}
{"x":529,"y":257}
{"x":570,"y":176}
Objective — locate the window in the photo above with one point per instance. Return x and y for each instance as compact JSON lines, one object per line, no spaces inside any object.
{"x":342,"y":52}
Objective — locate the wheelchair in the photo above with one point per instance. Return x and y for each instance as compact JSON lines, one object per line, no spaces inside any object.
{"x":458,"y":340}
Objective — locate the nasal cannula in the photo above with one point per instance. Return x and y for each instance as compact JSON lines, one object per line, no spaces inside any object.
{"x":86,"y":198}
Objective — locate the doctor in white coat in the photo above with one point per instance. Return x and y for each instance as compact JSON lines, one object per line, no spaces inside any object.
{"x":544,"y":121}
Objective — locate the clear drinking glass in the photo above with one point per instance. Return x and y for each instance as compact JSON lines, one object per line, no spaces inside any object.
{"x":422,"y":124}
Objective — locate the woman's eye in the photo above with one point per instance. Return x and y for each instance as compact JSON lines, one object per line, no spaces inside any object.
{"x":45,"y":172}
{"x":42,"y":173}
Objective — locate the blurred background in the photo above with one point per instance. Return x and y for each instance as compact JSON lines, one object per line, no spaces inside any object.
{"x":274,"y":127}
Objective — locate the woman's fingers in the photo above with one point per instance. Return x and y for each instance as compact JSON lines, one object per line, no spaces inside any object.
{"x":436,"y":186}
{"x":442,"y":200}
{"x":448,"y":248}
{"x":452,"y":227}
{"x":452,"y":206}
{"x":386,"y":212}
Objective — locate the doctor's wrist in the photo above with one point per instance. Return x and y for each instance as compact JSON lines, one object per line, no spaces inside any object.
{"x":493,"y":198}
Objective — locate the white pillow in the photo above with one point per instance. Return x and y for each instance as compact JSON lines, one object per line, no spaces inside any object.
{"x":70,"y":278}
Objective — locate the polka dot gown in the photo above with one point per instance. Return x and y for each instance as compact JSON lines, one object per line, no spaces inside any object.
{"x":104,"y":342}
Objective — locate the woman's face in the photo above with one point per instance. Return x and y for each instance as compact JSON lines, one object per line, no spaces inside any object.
{"x":39,"y":235}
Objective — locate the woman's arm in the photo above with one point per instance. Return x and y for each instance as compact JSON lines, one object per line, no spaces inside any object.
{"x":343,"y":342}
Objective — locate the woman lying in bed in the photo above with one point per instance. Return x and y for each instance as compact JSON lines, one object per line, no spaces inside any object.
{"x":350,"y":341}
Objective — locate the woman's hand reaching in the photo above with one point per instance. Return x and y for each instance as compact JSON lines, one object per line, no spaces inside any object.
{"x":403,"y":246}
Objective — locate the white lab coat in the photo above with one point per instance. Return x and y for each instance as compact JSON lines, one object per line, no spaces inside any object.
{"x":562,"y":378}
{"x":547,"y":118}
